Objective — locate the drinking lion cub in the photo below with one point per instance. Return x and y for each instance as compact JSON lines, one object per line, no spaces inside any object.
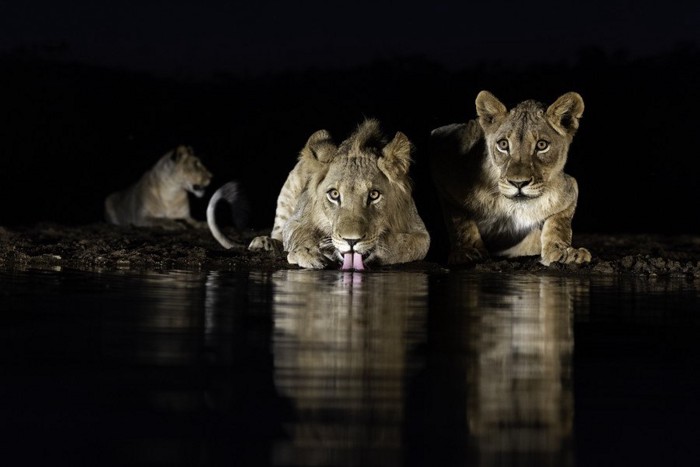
{"x":349,"y":203}
{"x":159,"y":197}
{"x":501,"y":182}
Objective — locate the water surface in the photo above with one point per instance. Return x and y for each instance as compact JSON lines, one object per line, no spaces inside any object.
{"x":332,"y":368}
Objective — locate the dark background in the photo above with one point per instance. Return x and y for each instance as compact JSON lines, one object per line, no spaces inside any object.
{"x":92,"y":94}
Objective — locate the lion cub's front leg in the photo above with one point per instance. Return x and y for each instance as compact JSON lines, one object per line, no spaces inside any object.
{"x":306,"y":254}
{"x":556,"y":241}
{"x":467,"y":245}
{"x":164,"y":223}
{"x":305,"y":257}
{"x":265,"y":243}
{"x":303,"y":244}
{"x":195,"y":224}
{"x":403,"y":247}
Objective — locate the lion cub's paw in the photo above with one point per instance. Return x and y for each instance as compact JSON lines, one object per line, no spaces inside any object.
{"x":466,"y":256}
{"x":265,"y":243}
{"x":310,"y":258}
{"x":197,"y":224}
{"x":168,"y":224}
{"x":565,"y":254}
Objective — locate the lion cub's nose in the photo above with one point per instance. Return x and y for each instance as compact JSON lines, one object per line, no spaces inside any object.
{"x":519,"y":184}
{"x":351,"y":241}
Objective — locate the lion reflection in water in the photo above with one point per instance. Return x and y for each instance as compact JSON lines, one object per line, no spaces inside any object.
{"x":499,"y":364}
{"x":520,"y":340}
{"x":340,"y":350}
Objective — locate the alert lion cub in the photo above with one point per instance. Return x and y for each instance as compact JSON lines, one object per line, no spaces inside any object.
{"x":501,"y":182}
{"x":159,"y":197}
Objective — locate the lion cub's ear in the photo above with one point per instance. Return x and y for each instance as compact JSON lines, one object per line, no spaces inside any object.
{"x":396,"y":157}
{"x":179,"y":152}
{"x":320,"y":147}
{"x":490,"y":110}
{"x":565,"y":113}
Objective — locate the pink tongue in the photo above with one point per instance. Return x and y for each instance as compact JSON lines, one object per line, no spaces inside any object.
{"x":347,"y":262}
{"x":352,"y":261}
{"x":357,"y":262}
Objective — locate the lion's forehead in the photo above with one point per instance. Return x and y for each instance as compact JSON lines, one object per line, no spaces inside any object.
{"x":356,"y":162}
{"x":353,"y":173}
{"x":520,"y":125}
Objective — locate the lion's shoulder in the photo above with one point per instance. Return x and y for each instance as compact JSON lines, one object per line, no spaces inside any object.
{"x":462,"y":137}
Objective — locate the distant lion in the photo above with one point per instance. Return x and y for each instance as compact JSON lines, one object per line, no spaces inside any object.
{"x":501,"y":182}
{"x":349,"y":204}
{"x":159,"y":197}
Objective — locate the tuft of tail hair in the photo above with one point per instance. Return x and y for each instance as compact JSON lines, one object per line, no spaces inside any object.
{"x":240,"y":211}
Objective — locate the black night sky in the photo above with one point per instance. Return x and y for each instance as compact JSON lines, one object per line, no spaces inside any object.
{"x":94,"y":92}
{"x":197,"y":38}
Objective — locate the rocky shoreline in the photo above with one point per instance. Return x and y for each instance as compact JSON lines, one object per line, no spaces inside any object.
{"x":101,"y":247}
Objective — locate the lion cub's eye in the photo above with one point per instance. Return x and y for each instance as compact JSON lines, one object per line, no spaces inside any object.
{"x":374,"y":195}
{"x":502,"y":145}
{"x":542,"y":145}
{"x":333,"y":195}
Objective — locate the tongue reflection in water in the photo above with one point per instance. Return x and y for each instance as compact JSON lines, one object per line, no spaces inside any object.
{"x":352,"y":261}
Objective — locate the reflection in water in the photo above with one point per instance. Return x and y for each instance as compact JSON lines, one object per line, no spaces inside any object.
{"x":340,"y":350}
{"x":331,"y":368}
{"x":347,"y":352}
{"x":177,"y":336}
{"x":517,"y":337}
{"x":519,"y":381}
{"x":162,"y":325}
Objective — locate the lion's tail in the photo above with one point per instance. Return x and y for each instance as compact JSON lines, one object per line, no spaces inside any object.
{"x":240,"y":210}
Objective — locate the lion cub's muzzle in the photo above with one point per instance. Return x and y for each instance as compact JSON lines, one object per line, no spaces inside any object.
{"x":197,"y":189}
{"x":352,"y":242}
{"x":518,"y":189}
{"x":353,"y":251}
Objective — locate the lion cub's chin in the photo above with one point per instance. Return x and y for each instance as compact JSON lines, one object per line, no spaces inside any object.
{"x":521,"y":198}
{"x":352,"y":261}
{"x":197,"y":191}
